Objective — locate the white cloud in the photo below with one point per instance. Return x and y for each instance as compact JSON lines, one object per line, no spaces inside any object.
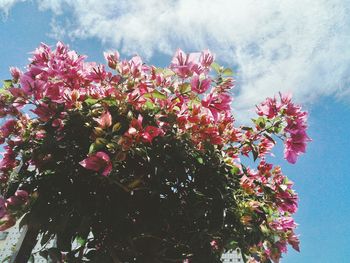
{"x":301,"y":46}
{"x":6,"y":5}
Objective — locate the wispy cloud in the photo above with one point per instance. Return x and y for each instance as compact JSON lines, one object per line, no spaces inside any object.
{"x":6,"y":5}
{"x":301,"y":46}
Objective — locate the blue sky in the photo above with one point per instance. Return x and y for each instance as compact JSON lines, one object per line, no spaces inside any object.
{"x":273,"y":46}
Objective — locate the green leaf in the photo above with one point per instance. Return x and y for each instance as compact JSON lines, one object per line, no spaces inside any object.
{"x":7,"y":83}
{"x":168,"y":72}
{"x":216,"y":67}
{"x":91,"y":101}
{"x":81,"y":241}
{"x":95,"y":147}
{"x":110,"y":101}
{"x":200,"y":160}
{"x":235,"y":170}
{"x":232,"y":245}
{"x":184,"y":88}
{"x":149,"y":105}
{"x":155,"y":94}
{"x":227,"y":72}
{"x":261,"y":122}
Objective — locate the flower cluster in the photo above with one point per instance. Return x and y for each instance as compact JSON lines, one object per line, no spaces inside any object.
{"x":295,"y":127}
{"x":69,"y":121}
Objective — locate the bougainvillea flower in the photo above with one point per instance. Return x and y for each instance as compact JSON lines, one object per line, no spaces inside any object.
{"x":105,"y":120}
{"x":112,"y":58}
{"x":268,"y":108}
{"x":23,"y":195}
{"x":8,"y":128}
{"x":182,"y":64}
{"x":295,"y":145}
{"x":15,"y":73}
{"x":206,"y":58}
{"x":217,"y":103}
{"x":151,"y":132}
{"x":99,"y":162}
{"x":293,"y":240}
{"x":44,"y":112}
{"x":200,"y":86}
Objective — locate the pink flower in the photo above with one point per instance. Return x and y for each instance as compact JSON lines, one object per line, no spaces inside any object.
{"x":295,"y":145}
{"x":8,"y":128}
{"x":265,"y":147}
{"x":112,"y":59}
{"x":23,"y":195}
{"x":44,"y":112}
{"x":27,"y":83}
{"x":206,"y":58}
{"x":9,"y":161}
{"x":99,"y":162}
{"x":200,"y":86}
{"x":217,"y":103}
{"x":293,"y":240}
{"x":15,"y":73}
{"x":151,"y":132}
{"x":135,"y":66}
{"x":268,"y":108}
{"x":13,"y":202}
{"x":214,"y":245}
{"x":182,"y":64}
{"x":105,"y":120}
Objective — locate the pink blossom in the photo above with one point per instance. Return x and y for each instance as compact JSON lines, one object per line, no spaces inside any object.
{"x":27,"y":83}
{"x":105,"y":120}
{"x":151,"y":132}
{"x":13,"y":202}
{"x":112,"y":59}
{"x":214,"y":245}
{"x":206,"y":58}
{"x":268,"y":108}
{"x":295,"y":145}
{"x":44,"y":112}
{"x":15,"y":73}
{"x":293,"y":240}
{"x":99,"y":162}
{"x":123,"y":67}
{"x":17,"y":92}
{"x":265,"y":146}
{"x":21,"y":194}
{"x":8,"y":128}
{"x":200,"y":86}
{"x":217,"y":103}
{"x":182,"y":64}
{"x":135,"y":66}
{"x":8,"y":161}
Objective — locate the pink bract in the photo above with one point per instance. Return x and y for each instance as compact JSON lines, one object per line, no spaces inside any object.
{"x":99,"y":162}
